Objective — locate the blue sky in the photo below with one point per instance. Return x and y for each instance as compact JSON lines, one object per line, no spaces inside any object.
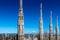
{"x":9,"y":15}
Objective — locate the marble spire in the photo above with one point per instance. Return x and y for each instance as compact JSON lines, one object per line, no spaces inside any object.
{"x":41,"y":23}
{"x":21,"y":23}
{"x":51,"y":28}
{"x":57,"y":32}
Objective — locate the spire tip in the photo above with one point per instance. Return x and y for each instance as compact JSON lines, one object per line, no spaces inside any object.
{"x":51,"y":12}
{"x":41,"y":5}
{"x":57,"y":16}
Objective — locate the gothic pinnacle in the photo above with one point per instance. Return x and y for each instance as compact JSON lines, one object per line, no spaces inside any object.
{"x":20,"y":23}
{"x":57,"y":32}
{"x":41,"y":23}
{"x":51,"y":29}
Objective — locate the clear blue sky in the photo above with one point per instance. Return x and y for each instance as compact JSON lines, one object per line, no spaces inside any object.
{"x":9,"y":15}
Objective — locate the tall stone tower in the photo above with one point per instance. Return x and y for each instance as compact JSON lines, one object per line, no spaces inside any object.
{"x":41,"y":24}
{"x":51,"y":29}
{"x":57,"y":32}
{"x":20,"y":23}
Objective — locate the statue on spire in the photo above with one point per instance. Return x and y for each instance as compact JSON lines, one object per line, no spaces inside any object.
{"x":20,"y":4}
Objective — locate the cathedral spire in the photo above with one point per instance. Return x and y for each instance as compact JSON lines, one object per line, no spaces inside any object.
{"x":51,"y":29}
{"x":41,"y":23}
{"x":20,"y":23}
{"x":57,"y":32}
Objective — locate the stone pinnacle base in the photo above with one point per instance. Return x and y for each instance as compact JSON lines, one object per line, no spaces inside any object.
{"x":51,"y":38}
{"x":41,"y":37}
{"x":21,"y":37}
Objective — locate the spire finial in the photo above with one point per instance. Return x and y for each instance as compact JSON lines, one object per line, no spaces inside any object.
{"x":51,"y":13}
{"x":41,"y":5}
{"x":41,"y":11}
{"x":57,"y":19}
{"x":20,"y":4}
{"x":51,"y":16}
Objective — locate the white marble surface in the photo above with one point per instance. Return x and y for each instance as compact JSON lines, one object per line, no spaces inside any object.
{"x":35,"y":39}
{"x":30,"y":38}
